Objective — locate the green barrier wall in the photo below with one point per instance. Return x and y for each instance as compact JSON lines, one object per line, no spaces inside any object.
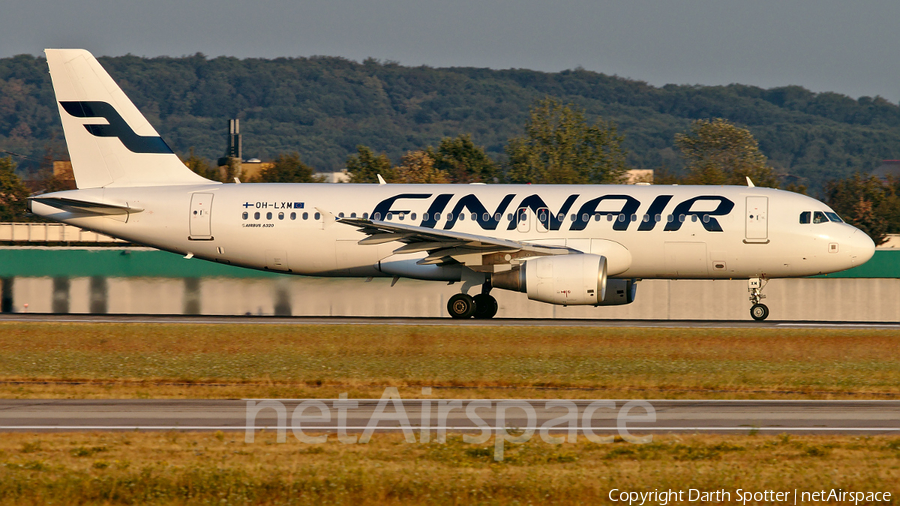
{"x":885,"y":264}
{"x":113,"y":263}
{"x":140,"y":262}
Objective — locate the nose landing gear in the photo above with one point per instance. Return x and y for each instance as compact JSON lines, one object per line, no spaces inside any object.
{"x":482,"y":306}
{"x":758,"y":311}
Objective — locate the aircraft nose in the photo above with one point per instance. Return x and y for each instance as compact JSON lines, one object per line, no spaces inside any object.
{"x":861,"y":247}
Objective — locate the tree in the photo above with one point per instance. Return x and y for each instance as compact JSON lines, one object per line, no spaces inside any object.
{"x":13,"y":194}
{"x":559,"y":146}
{"x":365,"y":166}
{"x":868,"y":203}
{"x":463,"y":161}
{"x":418,"y":167}
{"x":718,"y":152}
{"x":201,"y":167}
{"x":287,"y":168}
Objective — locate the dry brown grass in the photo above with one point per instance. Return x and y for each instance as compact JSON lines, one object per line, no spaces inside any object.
{"x":164,"y":360}
{"x":203,"y":468}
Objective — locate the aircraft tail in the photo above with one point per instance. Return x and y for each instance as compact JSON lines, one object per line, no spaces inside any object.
{"x":110,"y":142}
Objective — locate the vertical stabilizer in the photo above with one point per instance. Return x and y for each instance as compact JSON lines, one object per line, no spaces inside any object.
{"x":110,"y":142}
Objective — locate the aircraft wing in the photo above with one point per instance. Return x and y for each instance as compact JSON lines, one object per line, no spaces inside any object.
{"x":444,"y":246}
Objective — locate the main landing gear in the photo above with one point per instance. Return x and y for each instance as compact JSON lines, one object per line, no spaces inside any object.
{"x":482,"y":306}
{"x":758,"y":311}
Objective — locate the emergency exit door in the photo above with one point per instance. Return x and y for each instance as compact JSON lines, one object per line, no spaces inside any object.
{"x":757,"y":224}
{"x":201,"y":216}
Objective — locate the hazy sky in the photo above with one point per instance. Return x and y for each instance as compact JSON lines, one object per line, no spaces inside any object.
{"x":823,"y":45}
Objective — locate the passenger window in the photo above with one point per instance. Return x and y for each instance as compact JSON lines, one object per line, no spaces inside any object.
{"x":573,"y":217}
{"x":317,"y":216}
{"x":804,"y":217}
{"x":474,"y":216}
{"x":401,"y":216}
{"x":353,"y":215}
{"x":268,"y":216}
{"x":293,"y":216}
{"x":437,"y":216}
{"x":462,"y":216}
{"x":449,"y":216}
{"x":376,"y":216}
{"x":610,"y":217}
{"x":509,"y":216}
{"x":365,"y":216}
{"x":658,"y":218}
{"x":389,"y":216}
{"x":413,"y":216}
{"x":486,"y":217}
{"x":424,"y":216}
{"x":834,"y":217}
{"x":819,"y":217}
{"x":597,"y":217}
{"x":280,"y":216}
{"x":305,"y":216}
{"x":256,"y":215}
{"x":340,"y":215}
{"x":585,"y":217}
{"x":245,"y":215}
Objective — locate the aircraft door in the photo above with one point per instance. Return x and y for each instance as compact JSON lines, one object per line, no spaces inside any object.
{"x":523,"y":220}
{"x":201,"y":216}
{"x":757,"y":225}
{"x":542,"y":224}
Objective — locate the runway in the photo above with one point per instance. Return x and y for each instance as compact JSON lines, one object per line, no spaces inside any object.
{"x":356,"y":415}
{"x":495,"y":322}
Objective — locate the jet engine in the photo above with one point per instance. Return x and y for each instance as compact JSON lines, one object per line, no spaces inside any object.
{"x":567,"y":280}
{"x":564,"y":279}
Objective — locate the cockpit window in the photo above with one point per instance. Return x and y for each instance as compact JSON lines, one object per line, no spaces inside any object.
{"x":804,"y":217}
{"x":834,"y":217}
{"x":819,"y":217}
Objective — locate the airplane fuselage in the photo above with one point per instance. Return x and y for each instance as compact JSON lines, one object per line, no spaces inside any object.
{"x":644,"y":231}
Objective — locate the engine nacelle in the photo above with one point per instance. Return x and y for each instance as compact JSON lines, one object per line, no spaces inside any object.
{"x":619,"y":292}
{"x":578,"y":279}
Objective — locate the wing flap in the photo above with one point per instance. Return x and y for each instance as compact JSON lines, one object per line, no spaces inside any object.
{"x":445,"y":246}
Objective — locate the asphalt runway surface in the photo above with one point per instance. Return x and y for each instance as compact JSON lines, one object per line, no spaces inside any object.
{"x":494,"y":322}
{"x":324,"y":415}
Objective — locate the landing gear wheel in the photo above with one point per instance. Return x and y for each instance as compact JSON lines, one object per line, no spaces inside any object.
{"x":759,"y":312}
{"x":485,"y":306}
{"x":461,"y":306}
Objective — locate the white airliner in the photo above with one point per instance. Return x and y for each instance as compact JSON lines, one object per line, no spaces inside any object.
{"x":560,"y":244}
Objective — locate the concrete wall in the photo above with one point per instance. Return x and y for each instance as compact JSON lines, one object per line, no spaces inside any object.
{"x":788,"y":299}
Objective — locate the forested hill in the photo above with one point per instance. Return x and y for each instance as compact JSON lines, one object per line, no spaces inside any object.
{"x":323,"y":107}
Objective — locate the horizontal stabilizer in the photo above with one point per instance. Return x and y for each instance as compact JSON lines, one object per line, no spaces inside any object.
{"x":86,"y":206}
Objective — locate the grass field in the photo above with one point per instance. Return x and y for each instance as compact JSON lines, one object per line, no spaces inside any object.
{"x":192,"y":468}
{"x":227,"y":361}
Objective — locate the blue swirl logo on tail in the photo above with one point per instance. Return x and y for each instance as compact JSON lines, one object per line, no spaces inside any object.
{"x":117,"y":127}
